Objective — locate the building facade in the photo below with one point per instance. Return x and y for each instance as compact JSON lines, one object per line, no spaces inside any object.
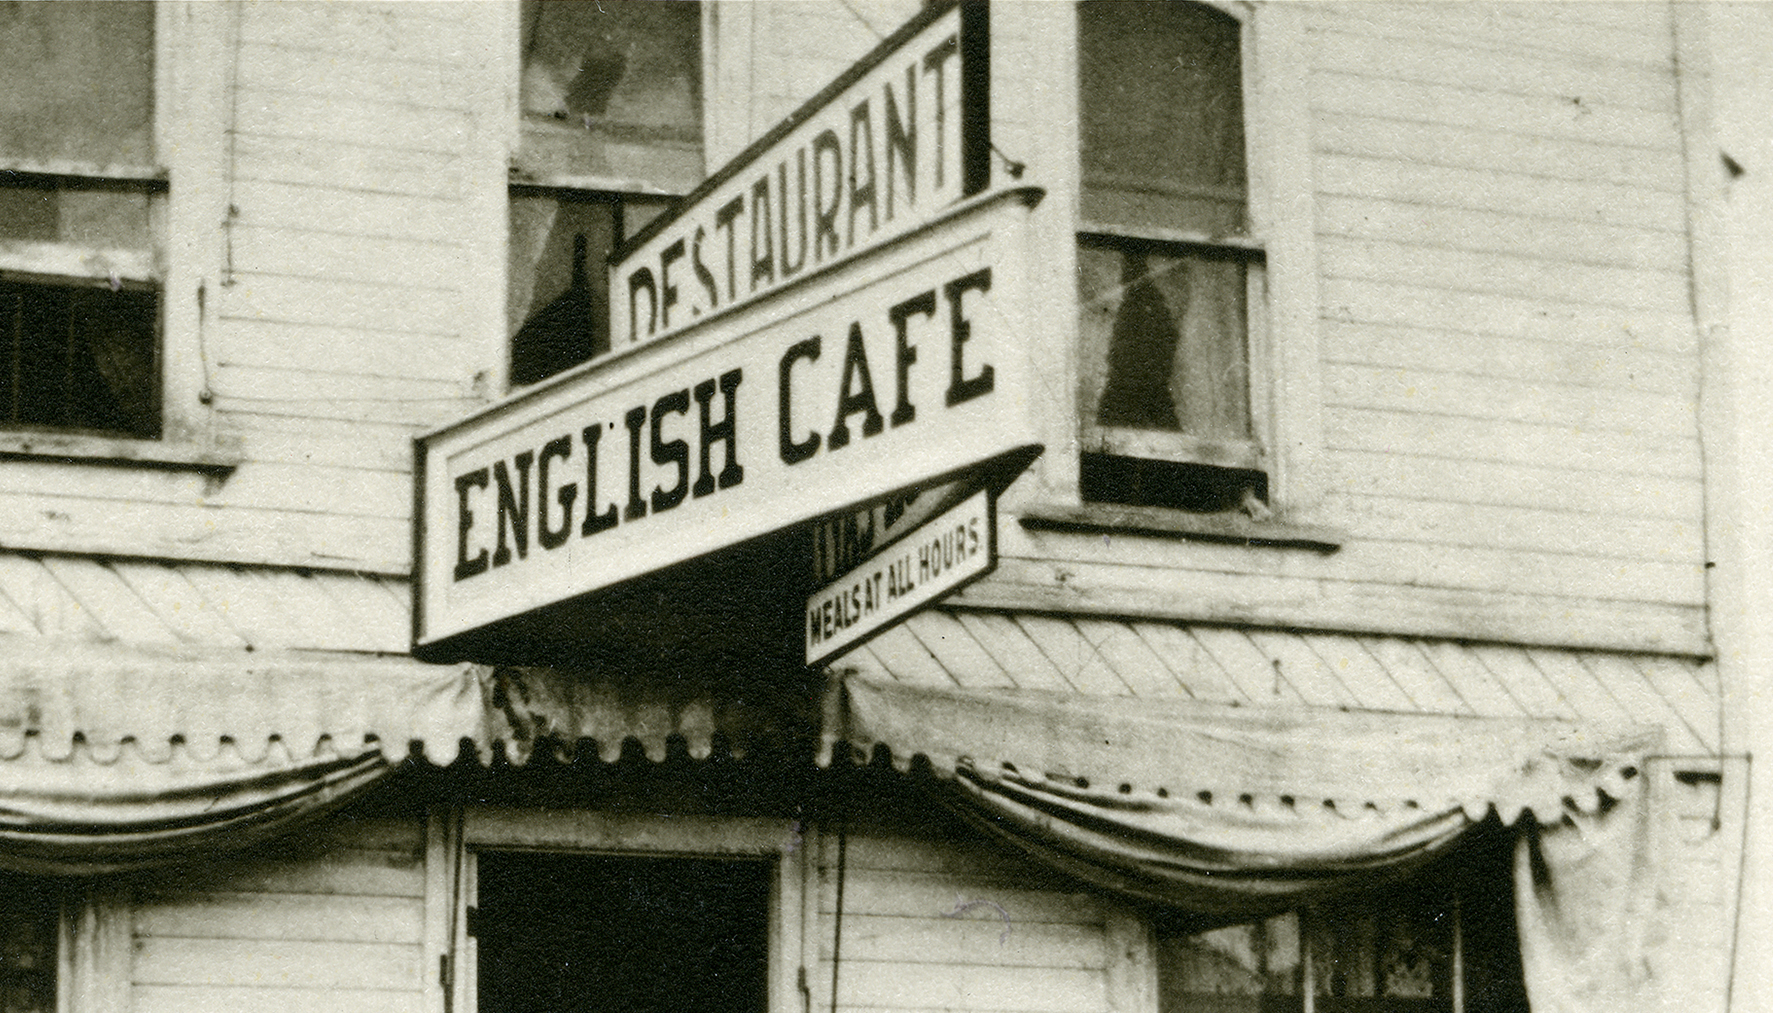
{"x":1354,"y":642}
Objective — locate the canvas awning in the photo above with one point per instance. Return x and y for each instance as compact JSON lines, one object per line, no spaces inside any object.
{"x":1230,"y":813}
{"x":115,"y":757}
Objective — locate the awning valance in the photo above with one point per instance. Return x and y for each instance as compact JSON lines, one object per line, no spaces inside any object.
{"x":116,"y":757}
{"x":1291,"y":758}
{"x":1221,"y":809}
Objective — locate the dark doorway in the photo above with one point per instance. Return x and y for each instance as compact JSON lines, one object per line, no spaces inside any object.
{"x":621,"y":934}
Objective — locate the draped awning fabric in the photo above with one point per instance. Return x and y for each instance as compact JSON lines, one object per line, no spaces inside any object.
{"x":1220,"y":809}
{"x":117,"y":757}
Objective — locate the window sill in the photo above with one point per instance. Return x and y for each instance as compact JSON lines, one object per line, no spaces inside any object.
{"x":1153,"y":522}
{"x":82,"y":449}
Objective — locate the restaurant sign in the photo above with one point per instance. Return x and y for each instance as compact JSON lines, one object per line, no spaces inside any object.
{"x":886,"y":148}
{"x":904,"y":368}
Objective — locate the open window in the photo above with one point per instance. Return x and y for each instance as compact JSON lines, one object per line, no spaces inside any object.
{"x":1170,"y":274}
{"x":611,"y":129}
{"x":82,"y":217}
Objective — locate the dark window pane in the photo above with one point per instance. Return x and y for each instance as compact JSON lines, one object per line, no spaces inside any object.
{"x":78,"y":82}
{"x":29,"y":915}
{"x":80,"y":358}
{"x":1161,"y":94}
{"x":612,"y":88}
{"x":609,"y":934}
{"x":557,"y":285}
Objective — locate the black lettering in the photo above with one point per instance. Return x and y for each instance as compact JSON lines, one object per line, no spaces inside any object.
{"x":933,"y":64}
{"x":789,"y":270}
{"x":825,"y":217}
{"x":723,"y":219}
{"x":812,"y":627}
{"x":727,"y":430}
{"x":906,"y":353}
{"x":792,"y":452}
{"x":667,"y":291}
{"x":960,"y":387}
{"x":466,"y":567}
{"x":642,"y":278}
{"x":763,"y":257}
{"x":670,"y":451}
{"x":901,"y":139}
{"x":636,"y":508}
{"x":703,"y":275}
{"x":855,"y":364}
{"x":513,"y":504}
{"x":862,"y":151}
{"x":560,"y":448}
{"x":594,"y":522}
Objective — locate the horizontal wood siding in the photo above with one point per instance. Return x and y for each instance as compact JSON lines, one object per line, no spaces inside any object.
{"x":337,"y":321}
{"x":1513,"y":158}
{"x":325,"y":922}
{"x":951,"y":924}
{"x":1508,"y":376}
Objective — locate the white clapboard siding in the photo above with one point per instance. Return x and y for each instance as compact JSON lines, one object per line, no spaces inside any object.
{"x":420,"y":265}
{"x":1621,"y":366}
{"x":949,"y":922}
{"x":334,"y":916}
{"x":1053,"y":579}
{"x":1553,"y":30}
{"x":335,"y":321}
{"x":1459,"y":145}
{"x":274,"y":66}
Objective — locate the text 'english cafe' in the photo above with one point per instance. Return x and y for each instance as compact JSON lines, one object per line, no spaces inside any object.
{"x":784,"y":395}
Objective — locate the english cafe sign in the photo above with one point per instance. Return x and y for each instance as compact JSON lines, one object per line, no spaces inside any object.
{"x":902,"y":369}
{"x":886,"y":148}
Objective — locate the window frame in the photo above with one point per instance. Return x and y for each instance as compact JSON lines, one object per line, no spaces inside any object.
{"x":588,"y":832}
{"x":623,"y":192}
{"x":1250,"y":249}
{"x":1284,"y":366}
{"x":191,"y":49}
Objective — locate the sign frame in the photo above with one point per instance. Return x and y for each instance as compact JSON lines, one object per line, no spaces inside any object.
{"x":998,"y":224}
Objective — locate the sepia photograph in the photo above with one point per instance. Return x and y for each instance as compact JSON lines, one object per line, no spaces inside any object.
{"x":886,"y":506}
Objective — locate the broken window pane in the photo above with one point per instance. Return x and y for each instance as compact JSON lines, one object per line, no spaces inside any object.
{"x":613,"y":88}
{"x":1162,"y":132}
{"x":557,"y":288}
{"x":1172,"y":324}
{"x":78,"y":82}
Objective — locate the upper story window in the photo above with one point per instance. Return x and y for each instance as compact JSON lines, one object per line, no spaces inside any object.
{"x":1170,"y":275}
{"x":611,"y":107}
{"x":82,"y":209}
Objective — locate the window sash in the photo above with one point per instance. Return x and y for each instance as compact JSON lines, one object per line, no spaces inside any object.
{"x":1212,"y":411}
